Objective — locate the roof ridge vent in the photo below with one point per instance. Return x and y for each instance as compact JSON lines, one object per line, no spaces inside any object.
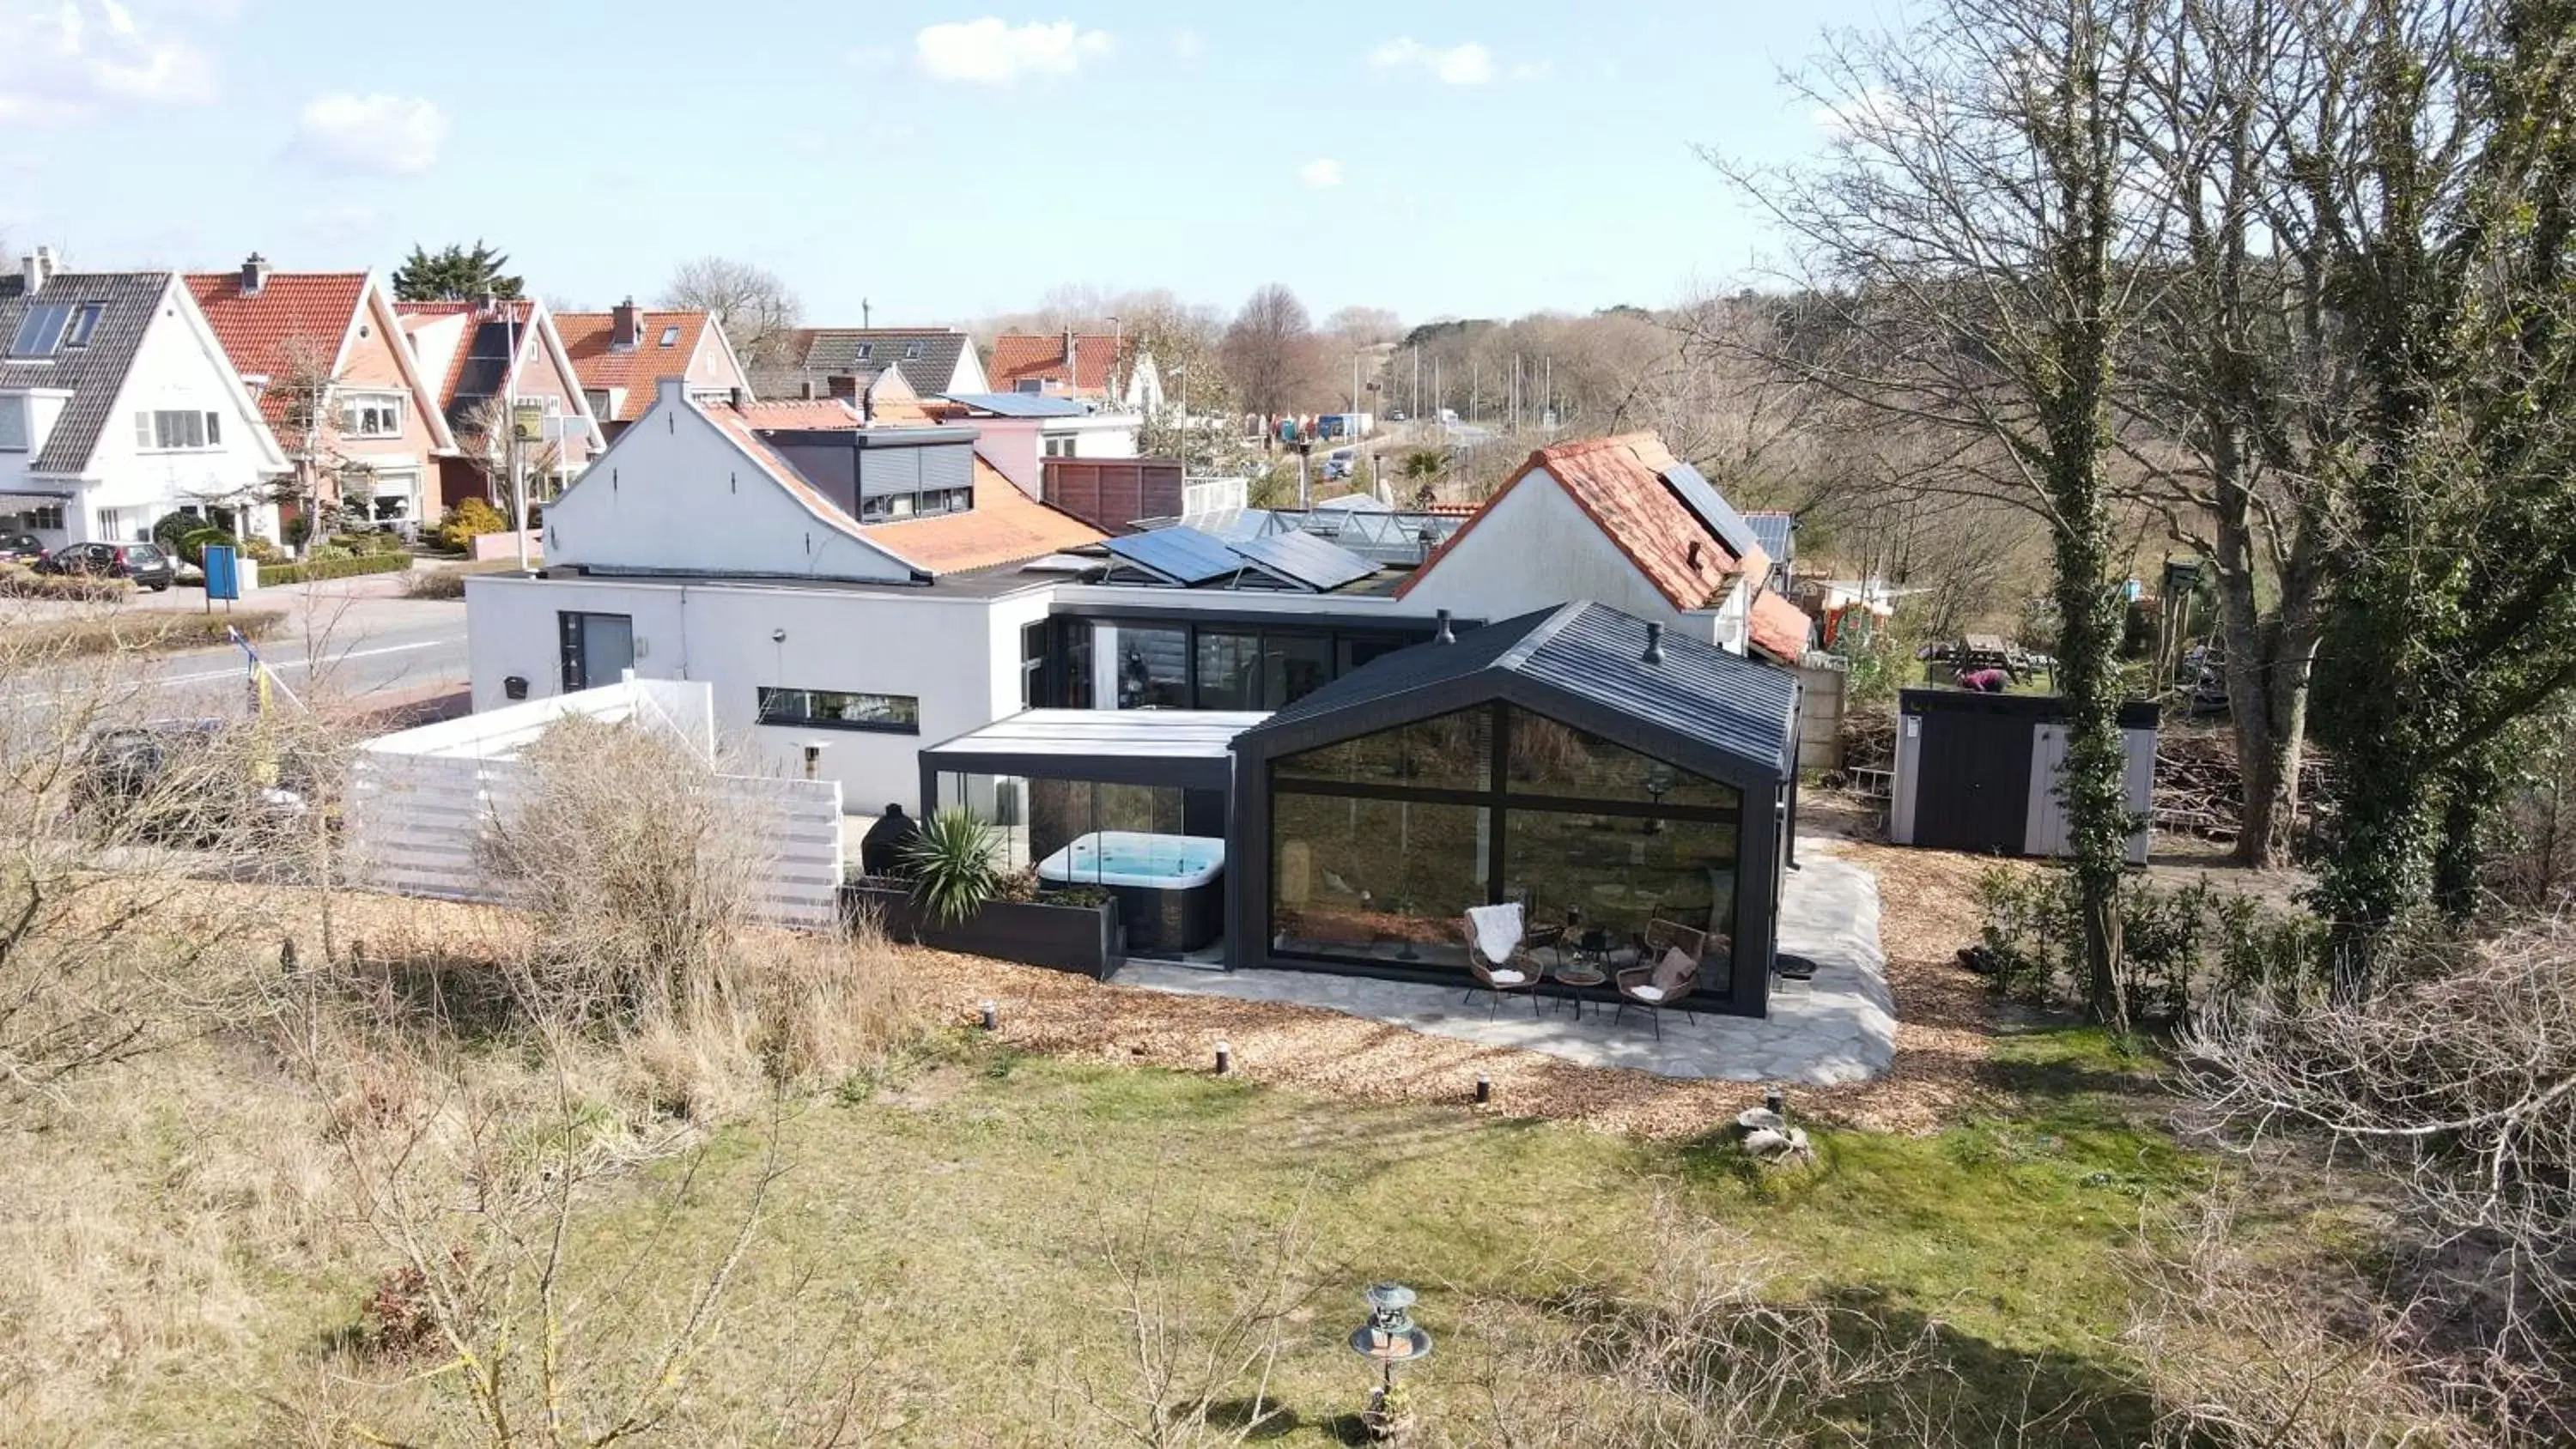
{"x":1444,"y":634}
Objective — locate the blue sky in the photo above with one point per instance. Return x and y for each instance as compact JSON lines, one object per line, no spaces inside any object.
{"x":944,"y":161}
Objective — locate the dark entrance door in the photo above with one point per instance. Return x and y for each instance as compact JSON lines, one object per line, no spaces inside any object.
{"x":1975,"y":787}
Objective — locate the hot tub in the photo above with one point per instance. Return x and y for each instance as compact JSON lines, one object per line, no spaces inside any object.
{"x":1170,"y":888}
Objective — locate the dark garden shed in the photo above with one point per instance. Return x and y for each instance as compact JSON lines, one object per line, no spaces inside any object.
{"x":1979,"y":771}
{"x":1599,"y":769}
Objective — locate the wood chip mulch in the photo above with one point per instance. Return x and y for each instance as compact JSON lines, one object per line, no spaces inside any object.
{"x":1945,"y":1028}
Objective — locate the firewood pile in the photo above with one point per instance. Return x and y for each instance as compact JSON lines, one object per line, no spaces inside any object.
{"x":2200,"y":789}
{"x":1869,"y":738}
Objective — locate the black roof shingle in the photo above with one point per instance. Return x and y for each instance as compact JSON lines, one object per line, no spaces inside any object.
{"x":92,"y":373}
{"x":927,"y":355}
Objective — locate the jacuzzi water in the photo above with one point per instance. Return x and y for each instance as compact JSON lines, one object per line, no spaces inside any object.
{"x":1136,"y":858}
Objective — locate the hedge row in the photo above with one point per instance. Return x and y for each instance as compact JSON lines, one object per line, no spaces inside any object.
{"x":333,"y":568}
{"x":140,"y":631}
{"x":18,"y":583}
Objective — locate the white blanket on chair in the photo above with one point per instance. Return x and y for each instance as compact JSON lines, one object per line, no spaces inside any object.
{"x":1498,"y":930}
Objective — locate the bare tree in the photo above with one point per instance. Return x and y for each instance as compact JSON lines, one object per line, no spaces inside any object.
{"x":1271,"y":352}
{"x":1363,"y":326}
{"x":1966,"y":248}
{"x":756,"y":310}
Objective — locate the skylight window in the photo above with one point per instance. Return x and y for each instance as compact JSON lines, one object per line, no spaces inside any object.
{"x":671,"y":335}
{"x":40,"y":331}
{"x":867,"y":350}
{"x":911,"y":351}
{"x":84,"y":322}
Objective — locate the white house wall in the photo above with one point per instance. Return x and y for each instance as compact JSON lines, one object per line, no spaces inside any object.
{"x":958,"y":654}
{"x":176,"y":369}
{"x":696,"y":503}
{"x":1535,"y":549}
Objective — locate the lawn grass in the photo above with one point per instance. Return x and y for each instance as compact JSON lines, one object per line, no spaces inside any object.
{"x":960,"y":1225}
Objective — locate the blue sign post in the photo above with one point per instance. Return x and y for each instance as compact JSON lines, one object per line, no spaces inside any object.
{"x":223,"y":575}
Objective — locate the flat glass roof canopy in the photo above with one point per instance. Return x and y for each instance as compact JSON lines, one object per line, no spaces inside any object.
{"x":1191,"y":749}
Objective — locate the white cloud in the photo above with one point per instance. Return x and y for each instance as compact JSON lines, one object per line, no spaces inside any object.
{"x":1188,"y":44}
{"x":990,"y":52}
{"x":376,"y":135}
{"x":1465,"y":64}
{"x":1321,"y":172}
{"x":64,"y":60}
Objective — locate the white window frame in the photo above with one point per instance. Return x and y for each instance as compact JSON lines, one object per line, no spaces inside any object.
{"x":13,"y":408}
{"x":155,"y":429}
{"x":388,"y":409}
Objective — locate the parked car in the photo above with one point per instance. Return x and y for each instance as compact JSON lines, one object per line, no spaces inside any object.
{"x":128,"y":786}
{"x":21,"y":548}
{"x":1338,"y":463}
{"x":1397,"y":416}
{"x":144,"y":563}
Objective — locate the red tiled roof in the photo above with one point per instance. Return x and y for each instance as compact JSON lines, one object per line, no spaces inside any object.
{"x":586,"y":338}
{"x":1779,"y":628}
{"x":307,"y":312}
{"x":1024,"y":355}
{"x":821,"y":412}
{"x":1618,"y":483}
{"x":1005,"y":526}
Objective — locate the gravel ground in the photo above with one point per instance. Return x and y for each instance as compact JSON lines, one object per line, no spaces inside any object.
{"x":1944,"y":1030}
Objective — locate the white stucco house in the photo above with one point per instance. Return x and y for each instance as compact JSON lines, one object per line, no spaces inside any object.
{"x":118,"y":405}
{"x":862,"y":592}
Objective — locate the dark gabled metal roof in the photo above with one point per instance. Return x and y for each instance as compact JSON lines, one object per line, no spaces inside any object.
{"x":93,"y":373}
{"x":1583,"y":664}
{"x":485,"y":370}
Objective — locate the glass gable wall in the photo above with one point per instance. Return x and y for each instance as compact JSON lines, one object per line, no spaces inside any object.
{"x":1175,"y":663}
{"x":1380,"y":843}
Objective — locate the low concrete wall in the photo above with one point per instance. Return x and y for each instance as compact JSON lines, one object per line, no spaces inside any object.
{"x":1820,"y":716}
{"x":493,"y":547}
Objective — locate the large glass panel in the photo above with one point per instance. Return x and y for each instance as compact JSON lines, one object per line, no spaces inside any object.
{"x":1292,"y":667}
{"x":1375,"y":880}
{"x":1611,"y":878}
{"x":1229,"y":670}
{"x":1000,"y":801}
{"x":1446,"y":752}
{"x":1549,"y":758}
{"x":1062,"y":812}
{"x":1153,"y":667}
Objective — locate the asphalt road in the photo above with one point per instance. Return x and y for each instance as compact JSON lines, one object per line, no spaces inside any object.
{"x":404,"y":658}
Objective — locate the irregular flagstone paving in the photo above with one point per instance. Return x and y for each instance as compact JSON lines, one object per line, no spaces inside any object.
{"x":1837,"y":1030}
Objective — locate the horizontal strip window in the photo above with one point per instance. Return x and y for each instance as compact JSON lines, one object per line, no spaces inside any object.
{"x":1635,"y":809}
{"x":887,"y":714}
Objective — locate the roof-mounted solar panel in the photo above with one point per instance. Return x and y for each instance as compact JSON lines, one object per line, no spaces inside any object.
{"x":1701,"y":497}
{"x":1184,"y":556}
{"x":1306,"y":560}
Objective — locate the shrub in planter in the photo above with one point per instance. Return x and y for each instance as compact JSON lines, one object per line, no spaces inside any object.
{"x":953,"y":875}
{"x":381,"y":541}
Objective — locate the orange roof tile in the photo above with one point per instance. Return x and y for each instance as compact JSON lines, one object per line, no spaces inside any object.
{"x":1005,"y":526}
{"x":821,"y":412}
{"x":1021,"y":356}
{"x":1779,"y":628}
{"x":587,"y":337}
{"x":294,"y":312}
{"x":1618,"y":483}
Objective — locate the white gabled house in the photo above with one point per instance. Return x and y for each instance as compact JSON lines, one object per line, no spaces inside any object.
{"x":118,"y":405}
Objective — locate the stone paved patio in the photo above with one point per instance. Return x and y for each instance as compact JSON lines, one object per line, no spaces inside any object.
{"x":1839,"y":1028}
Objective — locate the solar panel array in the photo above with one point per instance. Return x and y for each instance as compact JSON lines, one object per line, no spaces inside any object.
{"x":1184,"y":555}
{"x":1702,"y":498}
{"x":1775,"y":531}
{"x":1302,"y":558}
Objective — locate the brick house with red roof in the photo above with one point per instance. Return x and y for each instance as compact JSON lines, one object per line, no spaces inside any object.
{"x":1088,"y":366}
{"x":337,"y":332}
{"x":476,"y":354}
{"x":622,"y":352}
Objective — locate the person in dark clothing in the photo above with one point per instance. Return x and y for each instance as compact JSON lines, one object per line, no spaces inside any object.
{"x":1986,"y":681}
{"x":884,"y":850}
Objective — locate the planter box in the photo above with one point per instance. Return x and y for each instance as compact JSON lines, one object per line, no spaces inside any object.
{"x":1032,"y":933}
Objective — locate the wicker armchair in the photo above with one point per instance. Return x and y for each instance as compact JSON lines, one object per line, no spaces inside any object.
{"x":1660,"y":982}
{"x":1517,"y":970}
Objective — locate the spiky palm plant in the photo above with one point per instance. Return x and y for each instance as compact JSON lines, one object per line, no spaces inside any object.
{"x":953,"y":875}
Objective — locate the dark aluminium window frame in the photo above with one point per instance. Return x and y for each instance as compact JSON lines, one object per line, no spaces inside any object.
{"x":1498,"y":800}
{"x":1339,"y":631}
{"x":766,"y":695}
